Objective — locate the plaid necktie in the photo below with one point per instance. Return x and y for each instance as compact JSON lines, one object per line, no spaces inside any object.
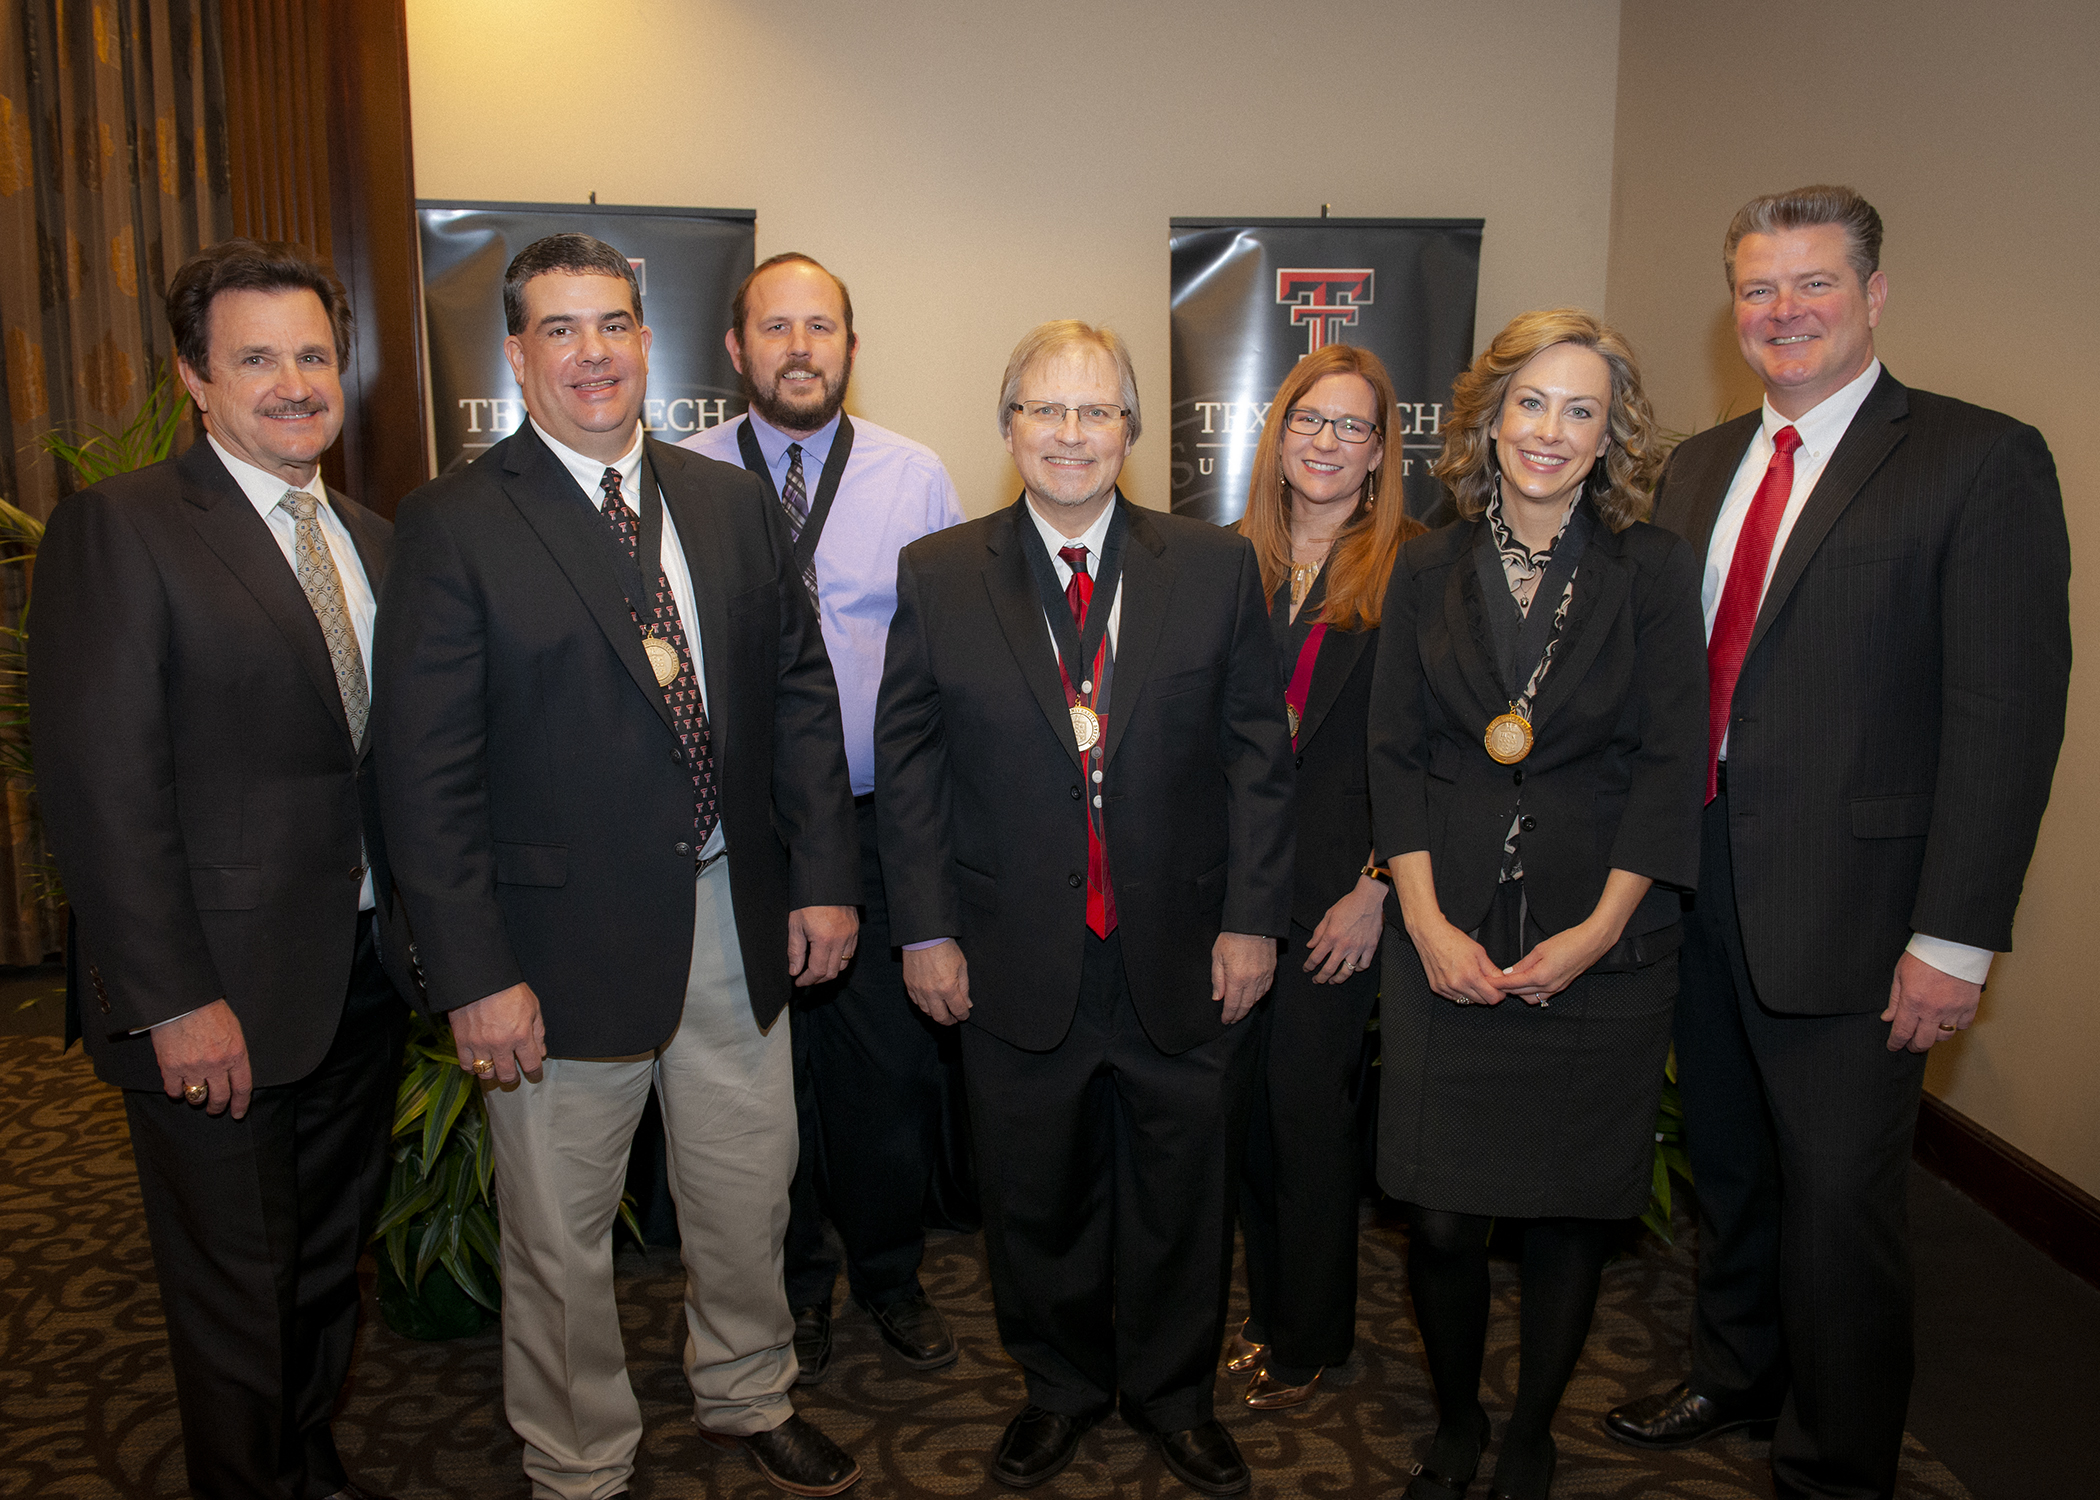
{"x":324,"y":591}
{"x":794,"y":499}
{"x":688,"y":713}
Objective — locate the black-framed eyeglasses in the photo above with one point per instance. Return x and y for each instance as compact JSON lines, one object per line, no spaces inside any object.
{"x":1349,"y":429}
{"x":1052,"y":413}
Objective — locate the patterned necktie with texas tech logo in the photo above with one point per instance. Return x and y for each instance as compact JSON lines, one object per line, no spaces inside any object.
{"x":682,"y":693}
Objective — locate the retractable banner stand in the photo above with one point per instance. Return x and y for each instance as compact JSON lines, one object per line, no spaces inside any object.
{"x":1252,"y":297}
{"x":688,"y":261}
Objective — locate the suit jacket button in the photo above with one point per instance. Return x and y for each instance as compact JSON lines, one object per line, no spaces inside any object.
{"x":677,"y":757}
{"x":1517,"y":776}
{"x":1075,"y":881}
{"x":1528,"y":824}
{"x":683,"y":851}
{"x":1075,"y":794}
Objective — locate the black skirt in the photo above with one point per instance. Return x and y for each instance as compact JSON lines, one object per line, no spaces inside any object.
{"x":1519,"y":1110}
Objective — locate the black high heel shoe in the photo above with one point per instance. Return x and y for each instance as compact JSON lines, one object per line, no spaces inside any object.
{"x":1542,"y":1492}
{"x":1425,"y":1483}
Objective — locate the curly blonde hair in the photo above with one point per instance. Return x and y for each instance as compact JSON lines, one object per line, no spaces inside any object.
{"x":1364,"y":549}
{"x":1621,"y":484}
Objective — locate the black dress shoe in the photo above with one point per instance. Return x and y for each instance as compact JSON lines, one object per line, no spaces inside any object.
{"x":812,"y":1342}
{"x":1205,"y":1458}
{"x":795,"y":1457}
{"x":913,"y":1328}
{"x":1676,"y":1419}
{"x":1037,"y":1444}
{"x":1425,"y":1483}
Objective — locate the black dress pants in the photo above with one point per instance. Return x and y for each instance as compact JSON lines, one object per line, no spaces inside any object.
{"x":1799,"y":1130}
{"x":257,"y":1225}
{"x":1109,"y":1172}
{"x":869,"y":1073}
{"x":1304,"y":1172}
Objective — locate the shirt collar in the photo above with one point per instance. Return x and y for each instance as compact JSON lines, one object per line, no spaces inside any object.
{"x":1822,"y":425}
{"x":588,"y":472}
{"x":1094,"y":538}
{"x":773,"y":443}
{"x":263,"y":488}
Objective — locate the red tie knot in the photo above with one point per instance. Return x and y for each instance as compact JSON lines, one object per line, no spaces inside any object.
{"x":1075,"y":557}
{"x":1786,"y":440}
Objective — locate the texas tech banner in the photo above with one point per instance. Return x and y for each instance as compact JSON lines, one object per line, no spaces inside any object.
{"x":687,"y":260}
{"x":1252,"y":297}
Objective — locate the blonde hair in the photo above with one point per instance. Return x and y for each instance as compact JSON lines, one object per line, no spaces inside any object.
{"x":1048,"y":340}
{"x":1621,"y":484}
{"x":1364,"y":549}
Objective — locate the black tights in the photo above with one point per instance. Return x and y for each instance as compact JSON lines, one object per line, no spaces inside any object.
{"x":1447,"y":1273}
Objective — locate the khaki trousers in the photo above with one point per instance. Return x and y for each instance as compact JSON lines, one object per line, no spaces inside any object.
{"x":728,"y":1098}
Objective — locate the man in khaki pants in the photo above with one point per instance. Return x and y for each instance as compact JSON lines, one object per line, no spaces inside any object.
{"x":609,"y":740}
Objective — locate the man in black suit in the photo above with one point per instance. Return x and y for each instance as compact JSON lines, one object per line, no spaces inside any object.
{"x":615,"y":779}
{"x":198,"y":690}
{"x":1888,"y":650}
{"x":1083,"y":780}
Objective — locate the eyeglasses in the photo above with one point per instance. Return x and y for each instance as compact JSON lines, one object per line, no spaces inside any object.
{"x":1348,"y":429}
{"x":1052,"y":414}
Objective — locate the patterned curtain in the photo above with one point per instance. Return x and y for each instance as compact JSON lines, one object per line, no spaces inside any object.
{"x":113,"y":171}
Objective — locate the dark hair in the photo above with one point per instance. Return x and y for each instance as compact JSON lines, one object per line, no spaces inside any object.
{"x":740,"y":304}
{"x":569,"y":254}
{"x":249,"y":266}
{"x":1806,"y":208}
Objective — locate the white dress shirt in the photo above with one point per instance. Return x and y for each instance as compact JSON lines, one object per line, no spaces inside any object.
{"x":1821,"y":429}
{"x":587,"y":472}
{"x":264,"y":490}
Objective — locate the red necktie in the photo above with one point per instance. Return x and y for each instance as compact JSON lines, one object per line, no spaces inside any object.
{"x":1742,"y":594}
{"x":1100,"y":895}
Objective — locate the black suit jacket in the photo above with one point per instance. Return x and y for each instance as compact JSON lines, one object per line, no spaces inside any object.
{"x":194,"y":766}
{"x":1617,"y":766}
{"x":540,"y":808}
{"x":1333,"y":781}
{"x":1896,"y":724}
{"x":978,"y":782}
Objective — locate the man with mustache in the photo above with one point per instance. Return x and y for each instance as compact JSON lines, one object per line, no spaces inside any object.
{"x":868,"y":1067}
{"x":198,"y":669}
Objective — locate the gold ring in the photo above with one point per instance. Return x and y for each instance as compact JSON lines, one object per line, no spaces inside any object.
{"x":483,"y":1066}
{"x":1947,"y":1026}
{"x":196,"y":1093}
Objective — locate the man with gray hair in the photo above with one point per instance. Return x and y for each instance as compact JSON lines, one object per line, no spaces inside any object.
{"x":1083,"y":782}
{"x":1888,"y":648}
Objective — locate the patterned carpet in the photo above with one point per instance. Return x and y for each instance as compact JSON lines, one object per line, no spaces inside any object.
{"x":90,"y":1410}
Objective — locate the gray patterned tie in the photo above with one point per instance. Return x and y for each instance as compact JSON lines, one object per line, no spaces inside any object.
{"x":794,"y":499}
{"x":324,"y":591}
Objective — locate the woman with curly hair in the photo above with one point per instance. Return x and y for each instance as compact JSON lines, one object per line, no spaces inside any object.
{"x":1325,"y":516}
{"x":1537,"y":744}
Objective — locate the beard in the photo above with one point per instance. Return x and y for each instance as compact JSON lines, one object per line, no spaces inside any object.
{"x":798,"y":416}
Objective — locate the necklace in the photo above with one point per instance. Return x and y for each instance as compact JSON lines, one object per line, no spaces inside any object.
{"x":1302,"y":576}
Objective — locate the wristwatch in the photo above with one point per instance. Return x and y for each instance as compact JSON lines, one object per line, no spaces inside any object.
{"x":1377,"y":872}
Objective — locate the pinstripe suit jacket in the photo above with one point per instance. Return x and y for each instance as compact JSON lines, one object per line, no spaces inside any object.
{"x":1895,"y":728}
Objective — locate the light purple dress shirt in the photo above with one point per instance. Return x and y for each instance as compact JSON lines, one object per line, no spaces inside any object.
{"x":893,"y":492}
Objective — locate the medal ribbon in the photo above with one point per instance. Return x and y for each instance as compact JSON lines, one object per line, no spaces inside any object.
{"x":1301,"y":678}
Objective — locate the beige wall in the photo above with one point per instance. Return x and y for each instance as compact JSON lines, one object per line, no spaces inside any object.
{"x":972,"y":169}
{"x":1973,"y":130}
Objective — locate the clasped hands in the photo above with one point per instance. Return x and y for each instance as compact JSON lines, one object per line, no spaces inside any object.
{"x":503,"y":1035}
{"x":1460,"y":970}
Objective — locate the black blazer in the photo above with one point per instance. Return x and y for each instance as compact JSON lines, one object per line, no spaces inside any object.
{"x":1334,"y":789}
{"x":540,"y":809}
{"x":195,"y":771}
{"x":1901,"y":705}
{"x":1617,"y":768}
{"x":978,"y":782}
